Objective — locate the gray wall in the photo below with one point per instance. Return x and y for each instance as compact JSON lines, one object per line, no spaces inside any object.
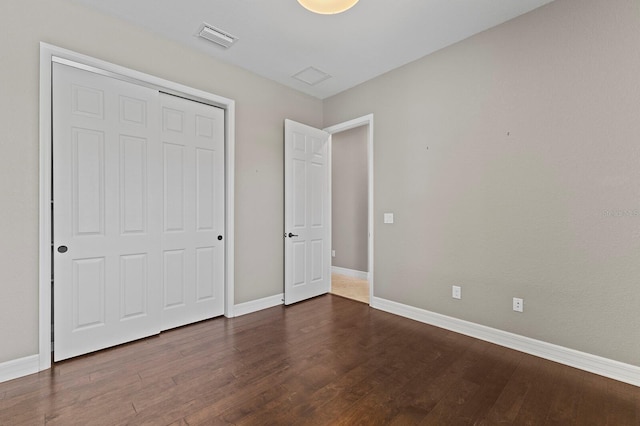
{"x":512,"y":163}
{"x":349,"y":198}
{"x":510,"y":160}
{"x":261,"y":107}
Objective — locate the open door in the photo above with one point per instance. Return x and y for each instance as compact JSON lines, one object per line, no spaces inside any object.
{"x":307,"y":212}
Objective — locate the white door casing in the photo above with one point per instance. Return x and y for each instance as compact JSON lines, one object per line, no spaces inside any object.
{"x":366,"y":120}
{"x":106,"y":158}
{"x":192,"y":136}
{"x":307,"y":212}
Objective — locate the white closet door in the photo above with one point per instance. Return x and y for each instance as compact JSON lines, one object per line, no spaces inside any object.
{"x":107,"y":192}
{"x":192,"y":136}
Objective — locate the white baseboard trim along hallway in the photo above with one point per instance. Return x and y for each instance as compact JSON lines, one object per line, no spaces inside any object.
{"x":592,"y":363}
{"x":350,"y":272}
{"x":258,"y":305}
{"x":19,"y":367}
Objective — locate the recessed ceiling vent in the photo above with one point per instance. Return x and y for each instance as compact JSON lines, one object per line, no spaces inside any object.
{"x":217,"y":36}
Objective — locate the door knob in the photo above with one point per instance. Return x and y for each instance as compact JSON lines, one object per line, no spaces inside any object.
{"x":219,"y":237}
{"x":62,"y":249}
{"x":292,"y":235}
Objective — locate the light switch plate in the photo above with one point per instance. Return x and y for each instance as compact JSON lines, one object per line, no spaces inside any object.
{"x":388,"y":218}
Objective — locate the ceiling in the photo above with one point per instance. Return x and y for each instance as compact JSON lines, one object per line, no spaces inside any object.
{"x":279,"y":38}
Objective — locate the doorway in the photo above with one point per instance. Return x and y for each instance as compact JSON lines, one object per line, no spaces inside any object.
{"x":307,"y":188}
{"x":352,"y":209}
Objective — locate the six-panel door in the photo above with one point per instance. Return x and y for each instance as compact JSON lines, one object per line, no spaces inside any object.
{"x":137,"y":212}
{"x":192,"y":136}
{"x":307,"y":212}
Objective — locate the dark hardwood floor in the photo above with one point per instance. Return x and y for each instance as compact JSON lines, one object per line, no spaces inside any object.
{"x":326,"y":361}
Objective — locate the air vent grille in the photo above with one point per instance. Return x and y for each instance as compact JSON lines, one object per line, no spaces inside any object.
{"x":217,"y":36}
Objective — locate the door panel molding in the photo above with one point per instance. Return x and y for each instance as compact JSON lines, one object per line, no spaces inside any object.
{"x":107,"y":281}
{"x":193,"y":129}
{"x":50,"y":54}
{"x":307,"y":216}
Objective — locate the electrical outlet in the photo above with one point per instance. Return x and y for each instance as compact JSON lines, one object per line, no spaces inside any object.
{"x":333,"y":253}
{"x":456,"y":292}
{"x":518,"y":304}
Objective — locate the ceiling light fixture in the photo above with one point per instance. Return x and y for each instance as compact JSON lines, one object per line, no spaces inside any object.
{"x":328,"y":7}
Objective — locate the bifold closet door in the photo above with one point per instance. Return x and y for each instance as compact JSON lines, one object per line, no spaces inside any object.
{"x":107,"y":194}
{"x":138,"y":211}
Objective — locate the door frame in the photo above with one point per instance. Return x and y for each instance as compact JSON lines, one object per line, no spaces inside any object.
{"x":49,"y":54}
{"x":366,"y":120}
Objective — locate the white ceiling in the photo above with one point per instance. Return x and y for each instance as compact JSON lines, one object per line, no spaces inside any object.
{"x":279,"y":38}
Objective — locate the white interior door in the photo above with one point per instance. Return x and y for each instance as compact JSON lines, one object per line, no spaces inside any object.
{"x":193,"y":242}
{"x":106,"y":169}
{"x":138,"y":217}
{"x":307,"y":213}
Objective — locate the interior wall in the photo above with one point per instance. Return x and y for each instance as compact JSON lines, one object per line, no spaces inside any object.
{"x":349,"y":199}
{"x":511,"y":162}
{"x":261,"y":107}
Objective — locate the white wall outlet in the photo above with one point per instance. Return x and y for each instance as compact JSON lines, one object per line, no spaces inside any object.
{"x":333,"y":253}
{"x":518,"y":304}
{"x":388,"y":218}
{"x":456,"y":292}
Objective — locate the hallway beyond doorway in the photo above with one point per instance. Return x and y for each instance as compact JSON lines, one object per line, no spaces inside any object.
{"x":350,"y":287}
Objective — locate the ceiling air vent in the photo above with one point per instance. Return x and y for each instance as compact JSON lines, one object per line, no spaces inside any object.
{"x":217,"y":36}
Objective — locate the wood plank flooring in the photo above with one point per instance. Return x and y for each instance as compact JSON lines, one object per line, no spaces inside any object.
{"x":326,"y":361}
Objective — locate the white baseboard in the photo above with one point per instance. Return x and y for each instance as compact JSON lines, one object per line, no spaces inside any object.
{"x":350,"y":272}
{"x":19,"y":367}
{"x":28,"y":365}
{"x":592,"y":363}
{"x":258,"y":305}
{"x":584,"y":361}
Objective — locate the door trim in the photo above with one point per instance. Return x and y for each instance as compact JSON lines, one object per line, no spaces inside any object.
{"x":49,"y":54}
{"x":366,"y":120}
